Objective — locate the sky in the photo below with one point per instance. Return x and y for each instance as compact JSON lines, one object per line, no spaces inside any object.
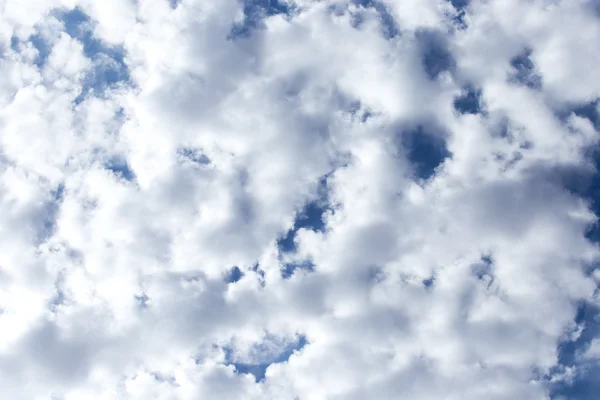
{"x":299,"y":199}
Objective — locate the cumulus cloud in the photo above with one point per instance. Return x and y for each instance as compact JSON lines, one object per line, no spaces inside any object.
{"x":340,"y":199}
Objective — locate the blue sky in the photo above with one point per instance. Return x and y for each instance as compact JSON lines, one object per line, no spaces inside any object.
{"x":258,"y":199}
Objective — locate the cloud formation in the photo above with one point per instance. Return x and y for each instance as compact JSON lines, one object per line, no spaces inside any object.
{"x":335,"y":199}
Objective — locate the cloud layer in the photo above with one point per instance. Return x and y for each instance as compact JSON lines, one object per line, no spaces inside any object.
{"x":336,"y":199}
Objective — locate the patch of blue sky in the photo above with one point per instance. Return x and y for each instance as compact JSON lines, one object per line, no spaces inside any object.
{"x":484,"y":271}
{"x":57,"y":300}
{"x":260,"y":273}
{"x":584,"y":182}
{"x":38,"y":42}
{"x":50,"y":213}
{"x":142,"y":300}
{"x":109,"y":67}
{"x":174,"y":3}
{"x":469,"y":102}
{"x":120,"y":167}
{"x":310,"y":217}
{"x":589,"y":111}
{"x":259,"y":369}
{"x":234,"y":275}
{"x":14,"y":43}
{"x":484,"y":268}
{"x":585,"y":385}
{"x":354,"y":107}
{"x":255,"y":11}
{"x":460,"y":4}
{"x":428,"y":283}
{"x":388,"y":25}
{"x":357,"y":110}
{"x":289,"y":269}
{"x":460,"y":11}
{"x":193,"y":155}
{"x":43,"y":49}
{"x":425,"y":151}
{"x":588,"y":186}
{"x":524,"y":71}
{"x":436,"y":57}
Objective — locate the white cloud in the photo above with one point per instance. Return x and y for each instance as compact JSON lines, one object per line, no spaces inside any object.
{"x":125,"y":208}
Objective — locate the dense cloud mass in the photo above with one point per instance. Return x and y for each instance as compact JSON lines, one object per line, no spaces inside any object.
{"x":299,"y":199}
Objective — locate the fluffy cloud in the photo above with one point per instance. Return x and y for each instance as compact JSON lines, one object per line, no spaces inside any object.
{"x":299,"y":200}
